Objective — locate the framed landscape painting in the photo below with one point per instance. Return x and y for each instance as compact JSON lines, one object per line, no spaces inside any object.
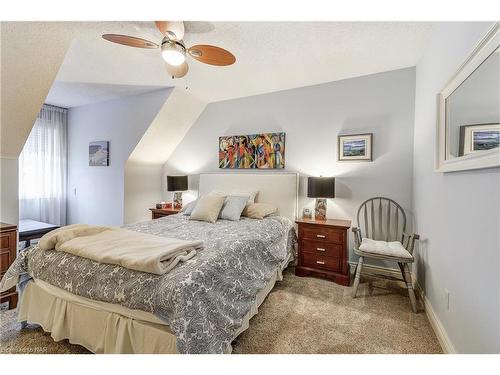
{"x":255,"y":151}
{"x":479,"y":137}
{"x":99,"y":154}
{"x":355,"y":147}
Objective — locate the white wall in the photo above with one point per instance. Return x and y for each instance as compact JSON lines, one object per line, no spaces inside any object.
{"x":143,"y":188}
{"x":143,"y":170}
{"x":9,"y":195}
{"x":457,"y":214}
{"x":312,"y":117}
{"x":99,"y":197}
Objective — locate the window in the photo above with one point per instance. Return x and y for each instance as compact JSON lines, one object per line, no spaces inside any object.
{"x":42,"y":168}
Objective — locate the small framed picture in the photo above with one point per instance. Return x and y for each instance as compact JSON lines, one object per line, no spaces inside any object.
{"x":478,"y":137}
{"x":99,"y":154}
{"x":307,"y":213}
{"x":355,"y":147}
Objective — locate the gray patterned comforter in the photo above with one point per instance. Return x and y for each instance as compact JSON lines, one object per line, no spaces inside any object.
{"x":203,"y":300}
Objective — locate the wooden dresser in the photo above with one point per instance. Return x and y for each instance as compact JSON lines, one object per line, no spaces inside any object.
{"x":160,"y":212}
{"x":323,"y":250}
{"x":8,"y":250}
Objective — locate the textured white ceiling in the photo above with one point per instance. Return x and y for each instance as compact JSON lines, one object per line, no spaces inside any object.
{"x":271,"y":56}
{"x":31,"y":54}
{"x":74,"y":94}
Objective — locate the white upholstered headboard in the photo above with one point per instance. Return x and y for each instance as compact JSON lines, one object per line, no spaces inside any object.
{"x":280,"y":189}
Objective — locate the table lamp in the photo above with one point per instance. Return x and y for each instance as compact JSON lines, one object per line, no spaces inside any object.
{"x":177,"y":184}
{"x":320,"y":188}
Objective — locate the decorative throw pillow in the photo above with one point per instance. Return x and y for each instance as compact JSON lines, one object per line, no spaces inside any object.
{"x":207,"y":208}
{"x":259,"y":210}
{"x":250,"y":194}
{"x":233,"y":207}
{"x":188,"y":208}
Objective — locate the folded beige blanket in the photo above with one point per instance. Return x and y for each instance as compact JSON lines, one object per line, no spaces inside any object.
{"x":57,"y":237}
{"x":129,"y":249}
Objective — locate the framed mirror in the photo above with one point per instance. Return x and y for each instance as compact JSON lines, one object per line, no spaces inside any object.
{"x":468,"y":126}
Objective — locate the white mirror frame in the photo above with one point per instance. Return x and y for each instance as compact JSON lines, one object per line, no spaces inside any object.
{"x":444,"y":161}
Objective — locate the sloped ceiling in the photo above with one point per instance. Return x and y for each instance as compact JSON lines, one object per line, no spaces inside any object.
{"x":75,"y":94}
{"x":270,"y":56}
{"x":171,"y":124}
{"x":143,"y":170}
{"x":31,"y":53}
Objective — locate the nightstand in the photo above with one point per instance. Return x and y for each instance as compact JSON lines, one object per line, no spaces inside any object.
{"x":8,"y":249}
{"x":156,"y":213}
{"x":323,"y":249}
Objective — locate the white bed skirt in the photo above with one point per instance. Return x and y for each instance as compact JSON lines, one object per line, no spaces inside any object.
{"x":106,"y":328}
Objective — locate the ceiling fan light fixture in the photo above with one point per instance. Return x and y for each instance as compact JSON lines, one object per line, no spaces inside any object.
{"x":177,"y":71}
{"x":174,"y":53}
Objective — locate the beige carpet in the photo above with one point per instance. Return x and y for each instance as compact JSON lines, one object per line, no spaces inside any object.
{"x":300,"y":315}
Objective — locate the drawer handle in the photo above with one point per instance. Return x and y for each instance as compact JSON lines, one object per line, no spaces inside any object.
{"x":320,"y":262}
{"x":320,"y":236}
{"x":320,"y":249}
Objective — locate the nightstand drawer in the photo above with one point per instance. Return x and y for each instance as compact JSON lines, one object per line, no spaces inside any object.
{"x":321,"y":262}
{"x":323,"y":234}
{"x":4,"y":261}
{"x":6,"y":241}
{"x":322,"y":248}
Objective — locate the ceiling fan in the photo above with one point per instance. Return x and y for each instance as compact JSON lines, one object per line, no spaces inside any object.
{"x":173,"y":49}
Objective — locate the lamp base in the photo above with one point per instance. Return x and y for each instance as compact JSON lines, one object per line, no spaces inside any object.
{"x":178,"y":200}
{"x":320,"y":209}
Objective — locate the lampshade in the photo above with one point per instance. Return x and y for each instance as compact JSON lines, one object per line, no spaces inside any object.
{"x":321,"y":187}
{"x":177,"y":183}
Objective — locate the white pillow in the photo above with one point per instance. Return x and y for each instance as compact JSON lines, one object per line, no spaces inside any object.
{"x":251,"y":194}
{"x":207,"y":208}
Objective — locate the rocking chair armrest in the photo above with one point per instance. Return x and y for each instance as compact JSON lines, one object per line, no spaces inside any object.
{"x":357,"y":236}
{"x":408,"y":241}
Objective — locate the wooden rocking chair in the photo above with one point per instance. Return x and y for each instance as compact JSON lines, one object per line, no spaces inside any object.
{"x":381,"y":234}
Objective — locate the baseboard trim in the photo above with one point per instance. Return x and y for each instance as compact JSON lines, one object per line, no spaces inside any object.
{"x":436,"y":324}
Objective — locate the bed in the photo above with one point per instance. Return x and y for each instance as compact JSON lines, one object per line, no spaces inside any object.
{"x":201,"y":306}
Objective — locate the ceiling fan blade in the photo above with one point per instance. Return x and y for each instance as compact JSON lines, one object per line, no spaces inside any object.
{"x":212,"y":55}
{"x":174,"y":30}
{"x":130,"y":41}
{"x":177,"y":71}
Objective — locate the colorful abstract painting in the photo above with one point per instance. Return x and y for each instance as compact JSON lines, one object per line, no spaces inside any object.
{"x":256,"y":151}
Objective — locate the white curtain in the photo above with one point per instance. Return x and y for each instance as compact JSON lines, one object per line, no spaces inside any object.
{"x":42,"y":168}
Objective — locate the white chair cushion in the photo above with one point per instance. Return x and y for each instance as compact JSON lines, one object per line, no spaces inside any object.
{"x":393,"y":249}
